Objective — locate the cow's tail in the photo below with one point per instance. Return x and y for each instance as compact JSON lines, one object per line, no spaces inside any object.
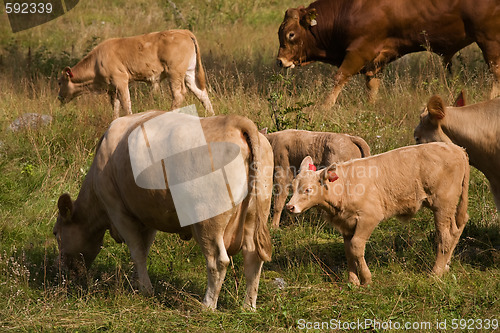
{"x":261,"y":235}
{"x":200,"y":71}
{"x":362,"y":145}
{"x":461,"y":216}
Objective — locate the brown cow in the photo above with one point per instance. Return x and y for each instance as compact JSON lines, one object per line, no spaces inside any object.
{"x":291,"y":146}
{"x":474,"y":127}
{"x":113,"y":197}
{"x":111,"y":65}
{"x":360,"y":193}
{"x":362,"y":36}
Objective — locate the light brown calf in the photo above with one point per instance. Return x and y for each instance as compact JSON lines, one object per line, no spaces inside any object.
{"x":291,"y":146}
{"x":111,"y":65}
{"x":360,"y":193}
{"x":474,"y":127}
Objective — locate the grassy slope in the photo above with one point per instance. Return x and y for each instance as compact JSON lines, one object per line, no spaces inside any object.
{"x":238,"y":41}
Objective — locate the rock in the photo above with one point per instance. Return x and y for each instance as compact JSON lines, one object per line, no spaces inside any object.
{"x":30,"y":120}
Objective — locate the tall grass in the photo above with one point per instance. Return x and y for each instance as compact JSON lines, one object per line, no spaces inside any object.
{"x":238,"y":41}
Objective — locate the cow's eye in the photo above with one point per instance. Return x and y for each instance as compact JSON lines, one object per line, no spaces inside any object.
{"x":308,"y":190}
{"x":291,"y":35}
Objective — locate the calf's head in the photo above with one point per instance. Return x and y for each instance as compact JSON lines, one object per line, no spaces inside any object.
{"x":429,"y":129}
{"x":294,"y":35}
{"x":310,"y":186}
{"x":67,"y":89}
{"x":78,"y":243}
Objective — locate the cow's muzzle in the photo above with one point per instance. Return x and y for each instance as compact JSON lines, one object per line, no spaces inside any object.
{"x":284,"y":63}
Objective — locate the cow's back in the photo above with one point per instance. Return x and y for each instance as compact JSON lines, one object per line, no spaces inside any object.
{"x":324,"y":148}
{"x":402,"y":179}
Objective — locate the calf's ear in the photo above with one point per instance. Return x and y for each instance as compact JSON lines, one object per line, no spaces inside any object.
{"x":67,"y":71}
{"x":328,"y":174}
{"x":436,"y":107}
{"x":305,"y":163}
{"x":460,"y":100}
{"x":65,"y":206}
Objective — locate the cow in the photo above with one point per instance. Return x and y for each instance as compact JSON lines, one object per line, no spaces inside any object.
{"x":111,"y":199}
{"x":474,"y":127}
{"x":291,"y":146}
{"x":360,"y":193}
{"x":363,"y":36}
{"x":111,"y":65}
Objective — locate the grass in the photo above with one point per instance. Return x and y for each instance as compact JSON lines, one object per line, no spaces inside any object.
{"x":238,"y":41}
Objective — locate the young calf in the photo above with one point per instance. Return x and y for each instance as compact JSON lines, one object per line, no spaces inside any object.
{"x":291,"y":146}
{"x":360,"y":193}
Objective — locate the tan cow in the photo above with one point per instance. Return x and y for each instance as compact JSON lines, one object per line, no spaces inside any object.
{"x":111,"y":65}
{"x":360,"y":193}
{"x":291,"y":146}
{"x":110,"y":199}
{"x":474,"y":127}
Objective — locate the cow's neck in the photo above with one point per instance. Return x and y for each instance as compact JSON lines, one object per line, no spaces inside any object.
{"x":84,"y":71}
{"x":470,"y":129}
{"x":88,"y":206}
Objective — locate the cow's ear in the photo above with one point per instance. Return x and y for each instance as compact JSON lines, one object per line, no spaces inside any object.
{"x":305,"y":163}
{"x":460,"y":100}
{"x":436,"y":107}
{"x":67,"y":71}
{"x":329,"y":174}
{"x":65,"y":206}
{"x":263,"y":131}
{"x":308,"y":17}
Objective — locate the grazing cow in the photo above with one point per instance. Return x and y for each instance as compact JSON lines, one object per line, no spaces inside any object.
{"x":363,"y":36}
{"x":360,"y":193}
{"x":291,"y":146}
{"x":111,"y":199}
{"x":111,"y":65}
{"x":474,"y":127}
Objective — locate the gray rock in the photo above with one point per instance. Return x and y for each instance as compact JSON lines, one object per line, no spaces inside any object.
{"x":30,"y":120}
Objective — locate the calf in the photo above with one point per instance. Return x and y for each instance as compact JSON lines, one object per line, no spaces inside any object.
{"x":111,"y":65}
{"x":291,"y":146}
{"x":358,"y":194}
{"x":474,"y":127}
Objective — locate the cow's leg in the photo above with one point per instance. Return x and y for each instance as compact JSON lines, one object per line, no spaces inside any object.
{"x":283,"y":177}
{"x":447,"y":236}
{"x":115,"y":103}
{"x":139,"y":239}
{"x":253,"y":266}
{"x":123,"y":94}
{"x":176,"y":83}
{"x":355,"y":250}
{"x":351,"y":65}
{"x":211,"y":241}
{"x":373,"y":84}
{"x":495,"y":190}
{"x":351,"y":263}
{"x":491,"y":52}
{"x":201,"y":94}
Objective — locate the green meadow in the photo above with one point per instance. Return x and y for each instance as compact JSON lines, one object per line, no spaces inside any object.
{"x":305,"y":285}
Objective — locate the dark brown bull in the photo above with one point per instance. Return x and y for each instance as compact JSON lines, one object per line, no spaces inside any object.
{"x":362,"y":36}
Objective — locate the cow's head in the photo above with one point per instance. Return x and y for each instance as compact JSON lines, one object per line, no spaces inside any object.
{"x":429,"y":129}
{"x":310,"y":186}
{"x":293,"y":36}
{"x":67,"y":88}
{"x":78,"y":243}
